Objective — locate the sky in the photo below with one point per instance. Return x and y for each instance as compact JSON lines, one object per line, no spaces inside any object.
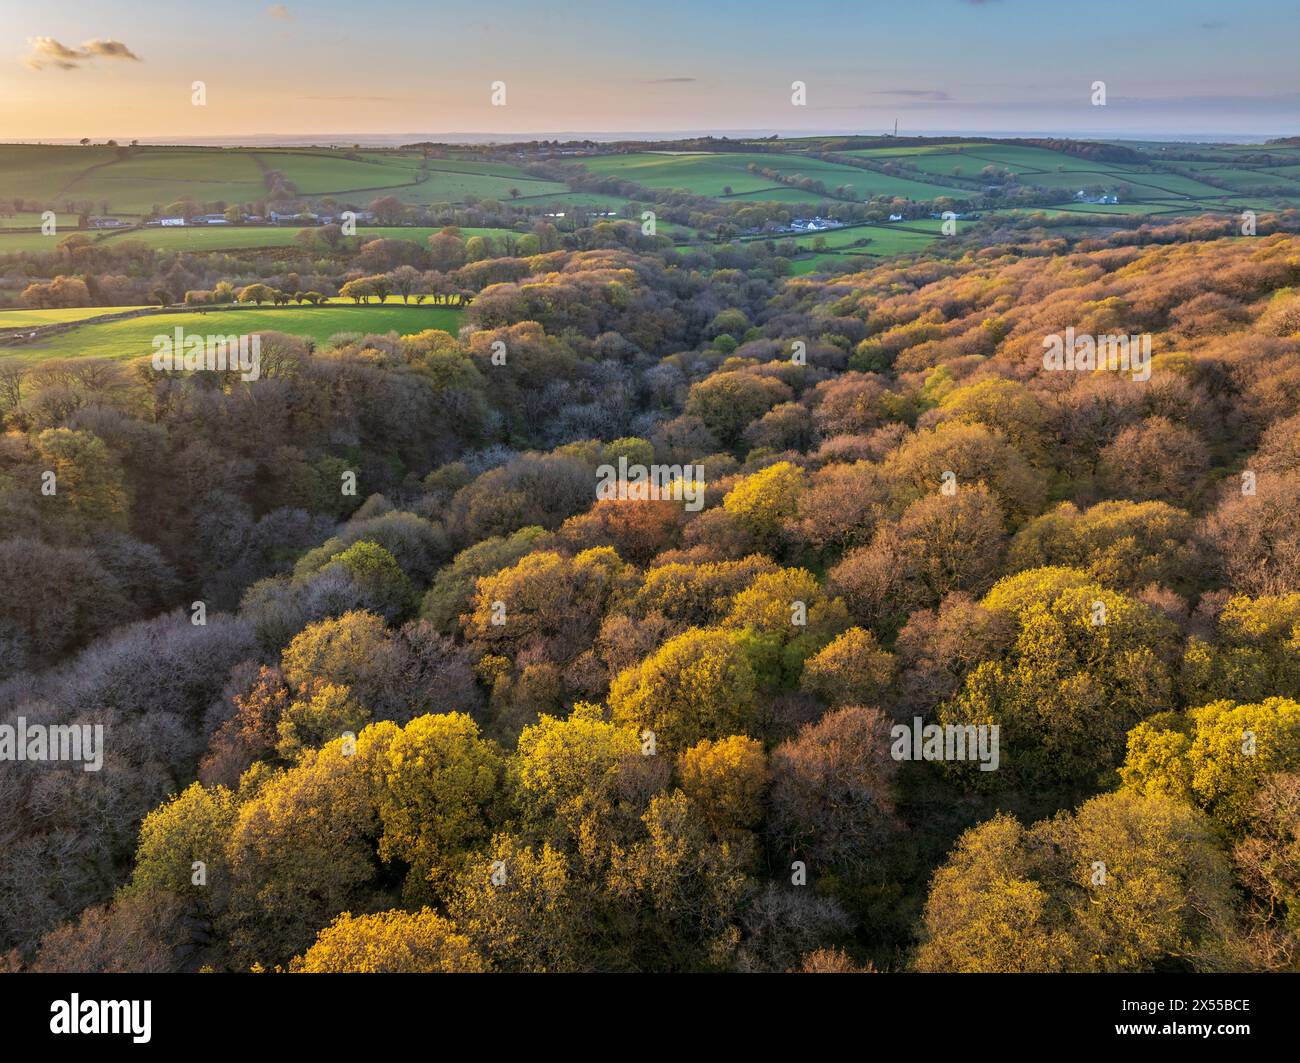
{"x":126,"y":68}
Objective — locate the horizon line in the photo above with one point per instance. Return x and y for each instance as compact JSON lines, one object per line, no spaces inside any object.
{"x":489,"y":138}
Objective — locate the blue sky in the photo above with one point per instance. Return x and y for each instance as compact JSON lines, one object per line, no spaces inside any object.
{"x":396,"y":66}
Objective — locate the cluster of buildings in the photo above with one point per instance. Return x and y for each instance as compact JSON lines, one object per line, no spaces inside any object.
{"x":275,"y":217}
{"x":1083,"y":197}
{"x":589,"y":214}
{"x":798,"y":226}
{"x":815,"y":224}
{"x":198,"y":219}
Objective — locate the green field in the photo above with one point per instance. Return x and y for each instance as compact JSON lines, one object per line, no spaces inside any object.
{"x":135,"y":182}
{"x":1018,"y":158}
{"x":1226,"y":152}
{"x":317,"y":175}
{"x":725,"y":174}
{"x":229,"y":238}
{"x":702,"y":175}
{"x":444,"y":180}
{"x":152,"y":179}
{"x":940,"y":147}
{"x":1247,"y":180}
{"x":444,"y":185}
{"x":134,"y":336}
{"x":481,"y":167}
{"x":238,"y":237}
{"x":872,"y":238}
{"x":1152,"y":188}
{"x":1144,"y":185}
{"x":32,"y":220}
{"x":32,"y":318}
{"x":588,"y":200}
{"x":33,"y":240}
{"x":1145,"y":188}
{"x":1102,"y":209}
{"x":861,"y":245}
{"x":779,"y":194}
{"x":42,"y":172}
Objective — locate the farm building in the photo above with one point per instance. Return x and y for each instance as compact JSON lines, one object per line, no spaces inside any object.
{"x":295,"y":218}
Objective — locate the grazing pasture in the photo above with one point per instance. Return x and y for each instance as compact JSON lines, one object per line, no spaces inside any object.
{"x":139,"y":183}
{"x":1148,"y":188}
{"x":444,"y":185}
{"x":133,"y":337}
{"x":727,"y":174}
{"x":43,"y":172}
{"x":138,"y":180}
{"x":232,"y":237}
{"x":20,"y":319}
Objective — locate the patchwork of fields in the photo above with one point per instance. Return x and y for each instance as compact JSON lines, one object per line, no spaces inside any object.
{"x":135,"y":182}
{"x":131,"y":184}
{"x":1160,"y":188}
{"x":1155,"y":184}
{"x":864,"y":245}
{"x":727,"y":175}
{"x":923,"y":173}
